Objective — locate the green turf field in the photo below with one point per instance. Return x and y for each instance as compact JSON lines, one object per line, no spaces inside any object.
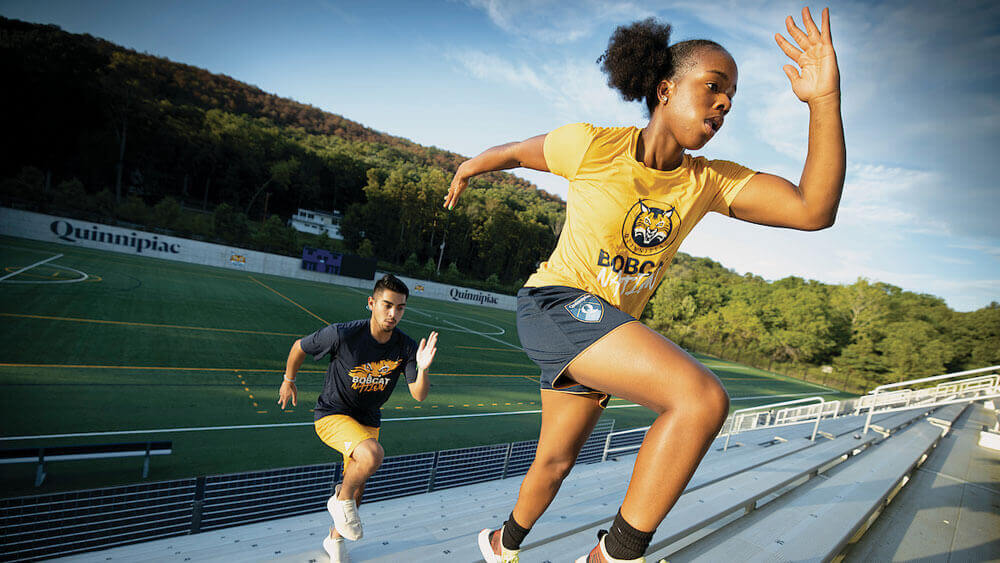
{"x":101,"y":342}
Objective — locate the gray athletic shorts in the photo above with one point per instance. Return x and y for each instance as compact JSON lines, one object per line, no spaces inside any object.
{"x":557,"y":323}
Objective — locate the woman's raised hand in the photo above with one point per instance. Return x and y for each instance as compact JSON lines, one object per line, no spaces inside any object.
{"x":817,"y":77}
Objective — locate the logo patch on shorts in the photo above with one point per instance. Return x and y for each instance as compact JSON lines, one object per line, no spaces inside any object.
{"x":586,"y":309}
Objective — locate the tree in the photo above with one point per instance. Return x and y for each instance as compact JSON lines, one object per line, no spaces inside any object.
{"x":230,"y":225}
{"x":366,"y":250}
{"x":70,"y":194}
{"x":412,"y":264}
{"x":166,"y":213}
{"x":429,"y":271}
{"x":134,"y":210}
{"x":274,"y":236}
{"x":280,"y":175}
{"x":913,"y":348}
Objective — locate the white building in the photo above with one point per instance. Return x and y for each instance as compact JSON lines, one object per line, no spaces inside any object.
{"x":317,"y":223}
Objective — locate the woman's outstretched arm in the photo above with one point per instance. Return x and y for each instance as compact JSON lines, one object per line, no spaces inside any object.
{"x":811,"y":205}
{"x":528,"y":154}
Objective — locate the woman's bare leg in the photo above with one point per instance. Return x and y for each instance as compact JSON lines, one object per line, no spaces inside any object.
{"x":567,"y":421}
{"x":638,"y":364}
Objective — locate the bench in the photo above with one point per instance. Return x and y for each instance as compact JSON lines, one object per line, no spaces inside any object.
{"x":43,"y":454}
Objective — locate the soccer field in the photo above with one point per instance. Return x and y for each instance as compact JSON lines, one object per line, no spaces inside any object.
{"x":101,"y":347}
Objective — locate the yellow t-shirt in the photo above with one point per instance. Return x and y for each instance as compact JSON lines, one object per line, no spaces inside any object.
{"x":624,"y":221}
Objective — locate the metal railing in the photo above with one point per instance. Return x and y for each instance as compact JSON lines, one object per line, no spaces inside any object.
{"x":771,"y":417}
{"x":625,"y":441}
{"x":64,"y":523}
{"x":968,"y":389}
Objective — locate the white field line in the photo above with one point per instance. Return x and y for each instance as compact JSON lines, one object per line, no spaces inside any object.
{"x":26,"y":268}
{"x":289,"y":424}
{"x":482,"y":334}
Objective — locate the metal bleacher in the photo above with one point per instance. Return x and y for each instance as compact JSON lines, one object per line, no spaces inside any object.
{"x":776,"y":493}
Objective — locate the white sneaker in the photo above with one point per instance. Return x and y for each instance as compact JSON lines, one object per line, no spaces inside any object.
{"x":336,"y":549}
{"x":345,"y":516}
{"x":493,"y":550}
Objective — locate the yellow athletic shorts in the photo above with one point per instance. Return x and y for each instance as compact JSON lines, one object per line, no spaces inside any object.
{"x":343,"y":433}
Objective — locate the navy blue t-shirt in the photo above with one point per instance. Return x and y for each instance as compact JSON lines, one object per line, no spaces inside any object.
{"x":362,"y":372}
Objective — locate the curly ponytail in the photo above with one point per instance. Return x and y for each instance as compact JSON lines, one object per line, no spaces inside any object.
{"x":639,"y":56}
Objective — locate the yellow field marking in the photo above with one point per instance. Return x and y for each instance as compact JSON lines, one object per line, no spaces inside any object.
{"x":289,"y":300}
{"x":529,"y":378}
{"x":261,"y":412}
{"x":72,"y":366}
{"x":154,"y":325}
{"x":485,"y":348}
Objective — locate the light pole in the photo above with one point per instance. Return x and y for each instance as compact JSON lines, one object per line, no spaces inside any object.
{"x":441,"y":255}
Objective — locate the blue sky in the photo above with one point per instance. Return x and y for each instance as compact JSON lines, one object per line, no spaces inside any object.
{"x":919,"y":79}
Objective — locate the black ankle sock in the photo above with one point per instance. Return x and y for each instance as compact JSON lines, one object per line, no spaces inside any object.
{"x":513,"y":533}
{"x":624,"y":541}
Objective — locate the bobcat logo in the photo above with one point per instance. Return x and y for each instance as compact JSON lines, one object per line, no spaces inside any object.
{"x":373,"y":376}
{"x":648,"y":229}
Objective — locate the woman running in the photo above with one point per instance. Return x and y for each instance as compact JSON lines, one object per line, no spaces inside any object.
{"x":634,"y":194}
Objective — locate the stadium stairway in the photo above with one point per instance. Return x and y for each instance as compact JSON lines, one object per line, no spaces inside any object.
{"x":736,"y":504}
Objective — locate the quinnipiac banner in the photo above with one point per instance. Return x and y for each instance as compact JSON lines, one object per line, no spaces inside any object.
{"x":86,"y":234}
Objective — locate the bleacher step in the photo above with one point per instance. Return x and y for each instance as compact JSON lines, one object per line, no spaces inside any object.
{"x":703,"y":506}
{"x":815,"y":521}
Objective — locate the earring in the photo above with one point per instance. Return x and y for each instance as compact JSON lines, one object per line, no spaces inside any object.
{"x":664,"y":100}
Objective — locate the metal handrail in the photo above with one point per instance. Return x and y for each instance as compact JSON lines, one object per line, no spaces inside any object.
{"x":781,"y":404}
{"x":607,"y":442}
{"x":875,"y":392}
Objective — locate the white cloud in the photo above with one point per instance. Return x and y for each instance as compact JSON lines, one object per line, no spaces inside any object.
{"x":990,"y":250}
{"x":490,"y":67}
{"x":553,"y":21}
{"x":577,"y":90}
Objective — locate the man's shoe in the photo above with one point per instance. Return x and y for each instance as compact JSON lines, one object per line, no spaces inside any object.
{"x":345,"y":516}
{"x":493,"y":550}
{"x":336,"y":549}
{"x":600,"y":554}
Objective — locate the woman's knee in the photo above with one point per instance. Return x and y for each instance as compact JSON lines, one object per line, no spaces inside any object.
{"x":555,"y":467}
{"x":704,"y":401}
{"x":716,"y":403}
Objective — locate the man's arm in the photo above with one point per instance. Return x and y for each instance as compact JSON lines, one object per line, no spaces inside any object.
{"x":288,"y":392}
{"x":425,"y":356}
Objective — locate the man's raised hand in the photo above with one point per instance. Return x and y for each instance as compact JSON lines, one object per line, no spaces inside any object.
{"x":426,"y":351}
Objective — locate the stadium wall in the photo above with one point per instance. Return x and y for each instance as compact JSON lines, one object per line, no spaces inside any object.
{"x":74,"y":232}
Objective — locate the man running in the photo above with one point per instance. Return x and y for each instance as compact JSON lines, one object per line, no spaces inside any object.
{"x":367,"y":357}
